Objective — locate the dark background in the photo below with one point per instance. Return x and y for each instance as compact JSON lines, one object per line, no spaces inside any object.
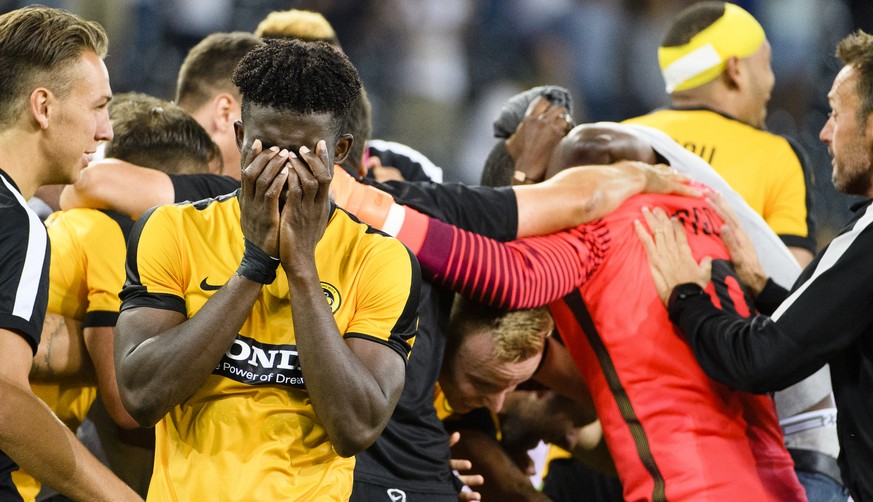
{"x":437,"y":71}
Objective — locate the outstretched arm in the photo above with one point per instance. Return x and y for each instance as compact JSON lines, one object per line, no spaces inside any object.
{"x":575,"y":196}
{"x":818,"y":320}
{"x":527,"y":273}
{"x":119,"y":186}
{"x":583,"y":194}
{"x":130,"y":189}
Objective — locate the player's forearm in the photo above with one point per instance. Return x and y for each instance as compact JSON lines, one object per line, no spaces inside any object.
{"x":164,"y":369}
{"x":515,"y":275}
{"x":349,"y":400}
{"x":61,"y":354}
{"x":74,"y":196}
{"x":119,"y":186}
{"x":754,"y":355}
{"x":38,"y":442}
{"x":99,"y":341}
{"x":575,"y":196}
{"x":95,"y":188}
{"x":447,"y":254}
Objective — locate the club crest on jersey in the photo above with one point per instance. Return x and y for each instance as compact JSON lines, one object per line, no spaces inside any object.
{"x":331,"y":294}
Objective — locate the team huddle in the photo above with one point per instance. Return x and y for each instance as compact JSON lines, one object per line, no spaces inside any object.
{"x":239,"y":295}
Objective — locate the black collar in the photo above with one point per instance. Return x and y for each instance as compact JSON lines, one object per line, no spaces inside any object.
{"x":10,"y":180}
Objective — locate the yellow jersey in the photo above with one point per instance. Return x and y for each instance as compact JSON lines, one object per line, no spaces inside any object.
{"x":765,"y":169}
{"x":249,"y":432}
{"x":85,"y":276}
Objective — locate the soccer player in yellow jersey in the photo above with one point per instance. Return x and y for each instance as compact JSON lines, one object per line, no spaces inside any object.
{"x":85,"y":276}
{"x":53,"y":113}
{"x":266,"y":332}
{"x":715,"y":59}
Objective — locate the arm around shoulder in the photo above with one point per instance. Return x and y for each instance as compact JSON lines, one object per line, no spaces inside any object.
{"x":119,"y":186}
{"x":583,"y":194}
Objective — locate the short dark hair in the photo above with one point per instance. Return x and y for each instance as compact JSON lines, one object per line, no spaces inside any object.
{"x":857,"y":50}
{"x":359,"y":124}
{"x":692,"y":21}
{"x":499,"y":167}
{"x":208,"y":68}
{"x":155,"y":133}
{"x":38,"y":48}
{"x":301,"y":77}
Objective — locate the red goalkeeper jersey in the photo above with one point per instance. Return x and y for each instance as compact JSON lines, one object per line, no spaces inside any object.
{"x":674,"y":433}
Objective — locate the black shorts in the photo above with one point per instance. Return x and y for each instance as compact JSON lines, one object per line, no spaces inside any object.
{"x":568,"y":478}
{"x":366,"y":492}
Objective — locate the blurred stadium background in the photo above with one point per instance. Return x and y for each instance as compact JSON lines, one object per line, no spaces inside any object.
{"x":437,"y":71}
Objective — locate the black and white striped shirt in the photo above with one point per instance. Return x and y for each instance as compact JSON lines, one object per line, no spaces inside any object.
{"x":24,"y":264}
{"x":827,"y":318}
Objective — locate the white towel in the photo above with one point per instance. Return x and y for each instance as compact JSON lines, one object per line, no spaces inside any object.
{"x":778,"y":263}
{"x":777,"y":260}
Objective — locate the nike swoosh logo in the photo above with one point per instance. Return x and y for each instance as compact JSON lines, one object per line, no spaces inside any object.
{"x":205,"y":286}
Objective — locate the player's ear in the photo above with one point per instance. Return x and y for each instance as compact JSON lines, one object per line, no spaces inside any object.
{"x":40,"y":102}
{"x":732,"y":72}
{"x":239,"y":131}
{"x":341,"y":150}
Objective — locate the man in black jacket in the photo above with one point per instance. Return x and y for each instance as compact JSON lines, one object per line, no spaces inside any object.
{"x":827,"y":317}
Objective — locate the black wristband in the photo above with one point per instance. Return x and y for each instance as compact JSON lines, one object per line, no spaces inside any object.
{"x":257,"y":265}
{"x":683,"y":292}
{"x":770,"y":298}
{"x":681,"y":296}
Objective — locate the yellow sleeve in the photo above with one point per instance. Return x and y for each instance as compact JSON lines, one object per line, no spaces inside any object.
{"x":387,"y":308}
{"x":104,"y":248}
{"x":87,"y":267}
{"x":785,"y":208}
{"x":154,"y":268}
{"x":67,"y":290}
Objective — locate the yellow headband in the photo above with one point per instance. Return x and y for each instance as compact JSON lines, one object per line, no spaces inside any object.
{"x":702,"y":59}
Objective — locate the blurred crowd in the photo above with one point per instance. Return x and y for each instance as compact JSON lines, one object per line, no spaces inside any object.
{"x":618,"y":249}
{"x":434,"y":69}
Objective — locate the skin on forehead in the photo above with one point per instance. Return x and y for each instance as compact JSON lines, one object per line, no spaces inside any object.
{"x":286,"y":129}
{"x":477,"y":378}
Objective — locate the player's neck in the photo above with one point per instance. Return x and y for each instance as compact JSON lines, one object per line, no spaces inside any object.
{"x":21,"y":163}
